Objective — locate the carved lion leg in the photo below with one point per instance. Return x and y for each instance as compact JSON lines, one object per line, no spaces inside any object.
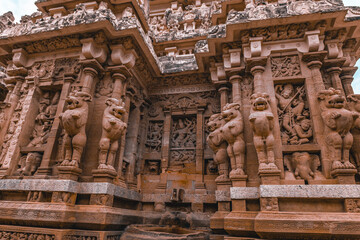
{"x":112,"y":154}
{"x":231,"y":156}
{"x":104,"y":146}
{"x":222,"y":161}
{"x":260,"y":150}
{"x":335,"y":143}
{"x":78,"y":143}
{"x":270,"y":151}
{"x":239,"y":152}
{"x":348,"y":142}
{"x":68,"y":150}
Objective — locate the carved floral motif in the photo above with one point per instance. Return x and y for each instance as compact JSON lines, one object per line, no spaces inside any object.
{"x":269,"y":204}
{"x":7,"y":235}
{"x":352,"y":205}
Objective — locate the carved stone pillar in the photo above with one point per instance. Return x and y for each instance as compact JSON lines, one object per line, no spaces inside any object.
{"x":45,"y":167}
{"x":119,"y":83}
{"x":347,"y":78}
{"x":131,"y":144}
{"x":200,"y":185}
{"x":89,"y":74}
{"x":236,"y":88}
{"x":224,"y":96}
{"x":165,"y":151}
{"x":257,"y":72}
{"x":315,"y":66}
{"x":334,"y":73}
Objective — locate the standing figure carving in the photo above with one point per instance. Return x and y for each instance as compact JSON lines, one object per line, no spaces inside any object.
{"x":354,"y":105}
{"x":262,"y":123}
{"x":338,"y":122}
{"x":113,"y":128}
{"x":233,"y":132}
{"x":74,"y":120}
{"x":218,"y":144}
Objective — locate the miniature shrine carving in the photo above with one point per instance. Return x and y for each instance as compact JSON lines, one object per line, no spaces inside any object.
{"x":233,"y":134}
{"x":74,"y":120}
{"x":338,"y":122}
{"x":217,"y":143}
{"x":113,"y":128}
{"x":262,"y":124}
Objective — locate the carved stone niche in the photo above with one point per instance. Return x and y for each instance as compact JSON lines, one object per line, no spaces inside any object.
{"x":294,"y":115}
{"x":152,"y":167}
{"x":303,"y":166}
{"x":28,"y":164}
{"x":154,"y":136}
{"x":211,"y":167}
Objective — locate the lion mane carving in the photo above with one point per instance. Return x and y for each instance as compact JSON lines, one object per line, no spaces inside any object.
{"x":218,"y":144}
{"x":74,"y":122}
{"x":262,"y":123}
{"x":338,"y":122}
{"x":113,"y":128}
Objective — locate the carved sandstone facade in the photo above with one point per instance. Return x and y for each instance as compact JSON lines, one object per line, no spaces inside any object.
{"x":237,"y":117}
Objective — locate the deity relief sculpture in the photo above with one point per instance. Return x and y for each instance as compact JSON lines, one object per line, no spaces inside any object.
{"x":74,"y":120}
{"x":338,"y":122}
{"x":262,"y":124}
{"x":113,"y":128}
{"x":294,"y":116}
{"x":354,"y":105}
{"x":303,"y":165}
{"x":219,"y":146}
{"x":233,"y":133}
{"x":30,"y":163}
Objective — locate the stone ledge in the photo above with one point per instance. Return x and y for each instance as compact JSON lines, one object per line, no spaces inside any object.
{"x":244,"y":193}
{"x":296,"y":191}
{"x":193,"y":198}
{"x":310,"y":191}
{"x":47,"y":185}
{"x":222,"y":196}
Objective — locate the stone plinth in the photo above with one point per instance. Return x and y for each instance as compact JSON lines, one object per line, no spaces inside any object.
{"x":344,"y":176}
{"x":69,"y":172}
{"x":270,"y":177}
{"x":104,"y":175}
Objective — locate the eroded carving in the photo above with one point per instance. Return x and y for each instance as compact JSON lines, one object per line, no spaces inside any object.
{"x":269,"y":204}
{"x":262,"y":124}
{"x":29,"y":163}
{"x":287,"y":66}
{"x":154,"y":136}
{"x":338,"y":122}
{"x":113,"y":128}
{"x":74,"y":120}
{"x":303,"y":165}
{"x":217,"y":143}
{"x":233,"y":134}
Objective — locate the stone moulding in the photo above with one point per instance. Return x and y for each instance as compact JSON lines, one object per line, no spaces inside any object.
{"x":68,"y":186}
{"x":296,"y":191}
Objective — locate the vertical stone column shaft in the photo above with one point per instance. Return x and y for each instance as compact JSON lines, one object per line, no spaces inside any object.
{"x":224,"y":96}
{"x":236,"y":88}
{"x":334,"y":73}
{"x":88,"y":79}
{"x":316,"y":75}
{"x":165,"y":149}
{"x":257,"y":72}
{"x":119,"y":82}
{"x":347,"y":80}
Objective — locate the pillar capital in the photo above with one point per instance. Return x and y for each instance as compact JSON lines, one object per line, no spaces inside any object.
{"x":235,"y":78}
{"x":257,"y":69}
{"x":314,"y":65}
{"x":334,"y":70}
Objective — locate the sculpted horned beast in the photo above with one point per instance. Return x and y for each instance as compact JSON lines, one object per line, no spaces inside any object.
{"x":218,"y":144}
{"x":338,"y":122}
{"x":262,"y":124}
{"x":113,"y":128}
{"x":74,"y":122}
{"x":233,"y":134}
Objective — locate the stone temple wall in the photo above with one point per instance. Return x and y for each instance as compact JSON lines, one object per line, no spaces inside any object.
{"x":180,"y":120}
